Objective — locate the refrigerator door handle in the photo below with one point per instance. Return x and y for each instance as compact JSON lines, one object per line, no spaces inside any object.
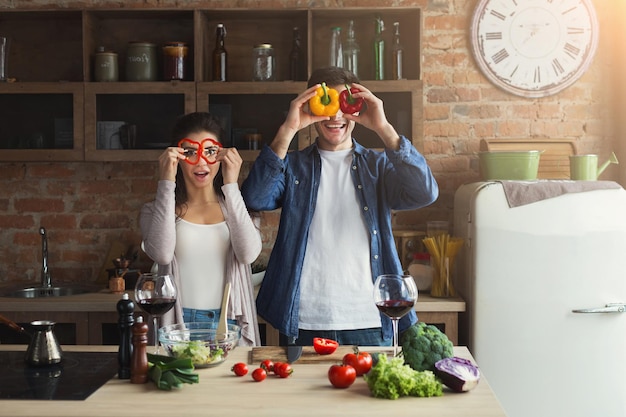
{"x":609,"y":308}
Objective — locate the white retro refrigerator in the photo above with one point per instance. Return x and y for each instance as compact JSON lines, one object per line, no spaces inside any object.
{"x":523,"y":272}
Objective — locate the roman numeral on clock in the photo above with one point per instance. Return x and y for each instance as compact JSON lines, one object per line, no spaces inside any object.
{"x":571,"y":50}
{"x":499,"y":56}
{"x":557,"y":67}
{"x":493,"y":36}
{"x":537,"y":76}
{"x":497,"y":14}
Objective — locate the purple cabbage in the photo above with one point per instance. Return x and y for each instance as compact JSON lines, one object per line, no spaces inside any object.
{"x":458,"y":374}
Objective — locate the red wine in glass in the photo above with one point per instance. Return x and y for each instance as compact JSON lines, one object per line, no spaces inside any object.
{"x":157,"y":306}
{"x":395,"y":308}
{"x":156,"y":295}
{"x":394,"y":296}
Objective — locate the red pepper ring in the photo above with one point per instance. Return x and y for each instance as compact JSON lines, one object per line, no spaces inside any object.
{"x":348,"y":103}
{"x":191,"y":152}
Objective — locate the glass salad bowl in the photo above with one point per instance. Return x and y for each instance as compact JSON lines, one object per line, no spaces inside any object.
{"x":199,"y":341}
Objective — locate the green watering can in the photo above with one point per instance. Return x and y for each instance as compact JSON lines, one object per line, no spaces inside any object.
{"x":585,"y":167}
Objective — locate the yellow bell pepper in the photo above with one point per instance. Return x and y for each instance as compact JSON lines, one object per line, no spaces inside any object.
{"x":325,"y":102}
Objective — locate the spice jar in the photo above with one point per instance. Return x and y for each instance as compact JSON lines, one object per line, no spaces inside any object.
{"x":263,"y":65}
{"x":105,"y":65}
{"x":141,"y":62}
{"x":253,"y":140}
{"x":175,"y":61}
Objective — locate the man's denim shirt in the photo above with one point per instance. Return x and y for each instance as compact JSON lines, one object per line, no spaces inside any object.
{"x":384,"y":181}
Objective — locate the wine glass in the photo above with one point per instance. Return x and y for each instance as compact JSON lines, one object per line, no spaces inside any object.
{"x":394,"y":296}
{"x":156,"y":295}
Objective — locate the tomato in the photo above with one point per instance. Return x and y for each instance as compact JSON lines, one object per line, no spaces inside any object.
{"x":324,"y":346}
{"x":360,"y":361}
{"x":283,"y":370}
{"x":240,"y":369}
{"x":276,"y":367}
{"x":341,"y":376}
{"x":268,"y":365}
{"x":259,"y":374}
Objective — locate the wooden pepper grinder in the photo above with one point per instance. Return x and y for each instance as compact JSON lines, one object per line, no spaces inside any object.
{"x":139,"y":358}
{"x":125,"y":309}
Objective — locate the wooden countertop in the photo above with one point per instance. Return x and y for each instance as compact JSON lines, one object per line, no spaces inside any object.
{"x":306,"y":393}
{"x":105,"y":302}
{"x":90,"y":302}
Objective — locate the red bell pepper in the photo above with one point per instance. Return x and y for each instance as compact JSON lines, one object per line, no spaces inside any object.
{"x":348,"y":103}
{"x":324,"y":346}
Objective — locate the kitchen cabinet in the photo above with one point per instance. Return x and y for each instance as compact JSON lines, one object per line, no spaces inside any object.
{"x":91,"y":319}
{"x":441,"y":312}
{"x":85,"y":319}
{"x":56,"y":109}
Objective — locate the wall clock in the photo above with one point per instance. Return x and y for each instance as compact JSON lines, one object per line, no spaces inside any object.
{"x":534,"y":48}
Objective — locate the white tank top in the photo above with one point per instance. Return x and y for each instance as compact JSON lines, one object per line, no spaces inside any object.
{"x":201,"y":254}
{"x":336,"y":289}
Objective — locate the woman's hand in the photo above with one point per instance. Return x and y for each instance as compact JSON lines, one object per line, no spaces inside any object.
{"x":231,"y":164}
{"x":168,"y":163}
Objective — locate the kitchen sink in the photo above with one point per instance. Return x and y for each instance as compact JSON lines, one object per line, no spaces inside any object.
{"x":37,"y":292}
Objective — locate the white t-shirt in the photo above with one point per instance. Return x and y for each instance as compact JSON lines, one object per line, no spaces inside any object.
{"x":201,"y":254}
{"x":336,"y":289}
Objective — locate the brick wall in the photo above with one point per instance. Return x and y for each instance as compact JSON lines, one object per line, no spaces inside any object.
{"x":87,"y":206}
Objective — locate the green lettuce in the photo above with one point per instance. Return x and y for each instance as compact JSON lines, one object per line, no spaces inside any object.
{"x":391,"y":379}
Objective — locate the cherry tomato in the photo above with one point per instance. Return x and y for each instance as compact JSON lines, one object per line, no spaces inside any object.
{"x":360,"y":361}
{"x":268,"y":365}
{"x":276,"y":367}
{"x":259,"y":374}
{"x":240,"y":369}
{"x":283,"y":370}
{"x":341,"y":376}
{"x":324,"y":346}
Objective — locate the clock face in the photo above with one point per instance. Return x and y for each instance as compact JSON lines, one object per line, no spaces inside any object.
{"x":534,"y":48}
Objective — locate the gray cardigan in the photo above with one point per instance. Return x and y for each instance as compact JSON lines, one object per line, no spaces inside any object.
{"x":158,"y":229}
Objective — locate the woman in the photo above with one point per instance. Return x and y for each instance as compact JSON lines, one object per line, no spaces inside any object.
{"x":199,"y":230}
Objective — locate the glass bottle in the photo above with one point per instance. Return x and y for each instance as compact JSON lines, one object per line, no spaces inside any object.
{"x":379,"y":51}
{"x":219,"y":54}
{"x":295,"y":57}
{"x":398,"y":53}
{"x":351,"y":51}
{"x":336,"y":49}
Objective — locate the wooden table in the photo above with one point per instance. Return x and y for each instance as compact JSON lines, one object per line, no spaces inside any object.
{"x":306,"y":393}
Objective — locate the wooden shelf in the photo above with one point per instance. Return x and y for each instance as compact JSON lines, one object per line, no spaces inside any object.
{"x":51,"y":57}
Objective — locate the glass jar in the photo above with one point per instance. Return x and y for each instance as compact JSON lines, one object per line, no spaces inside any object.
{"x":263,"y":64}
{"x":175,"y":61}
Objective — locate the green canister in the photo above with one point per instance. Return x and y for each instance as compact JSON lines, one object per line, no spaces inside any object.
{"x":141,"y":61}
{"x":105,"y":65}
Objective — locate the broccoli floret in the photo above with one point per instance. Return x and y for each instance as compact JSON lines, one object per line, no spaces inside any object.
{"x":423,"y":345}
{"x":392,"y":379}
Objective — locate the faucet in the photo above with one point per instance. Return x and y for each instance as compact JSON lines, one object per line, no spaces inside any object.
{"x":46,"y":279}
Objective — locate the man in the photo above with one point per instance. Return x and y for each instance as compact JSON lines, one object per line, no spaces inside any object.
{"x":335,"y":234}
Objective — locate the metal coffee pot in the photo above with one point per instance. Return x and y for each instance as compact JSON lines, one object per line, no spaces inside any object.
{"x":44,"y":348}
